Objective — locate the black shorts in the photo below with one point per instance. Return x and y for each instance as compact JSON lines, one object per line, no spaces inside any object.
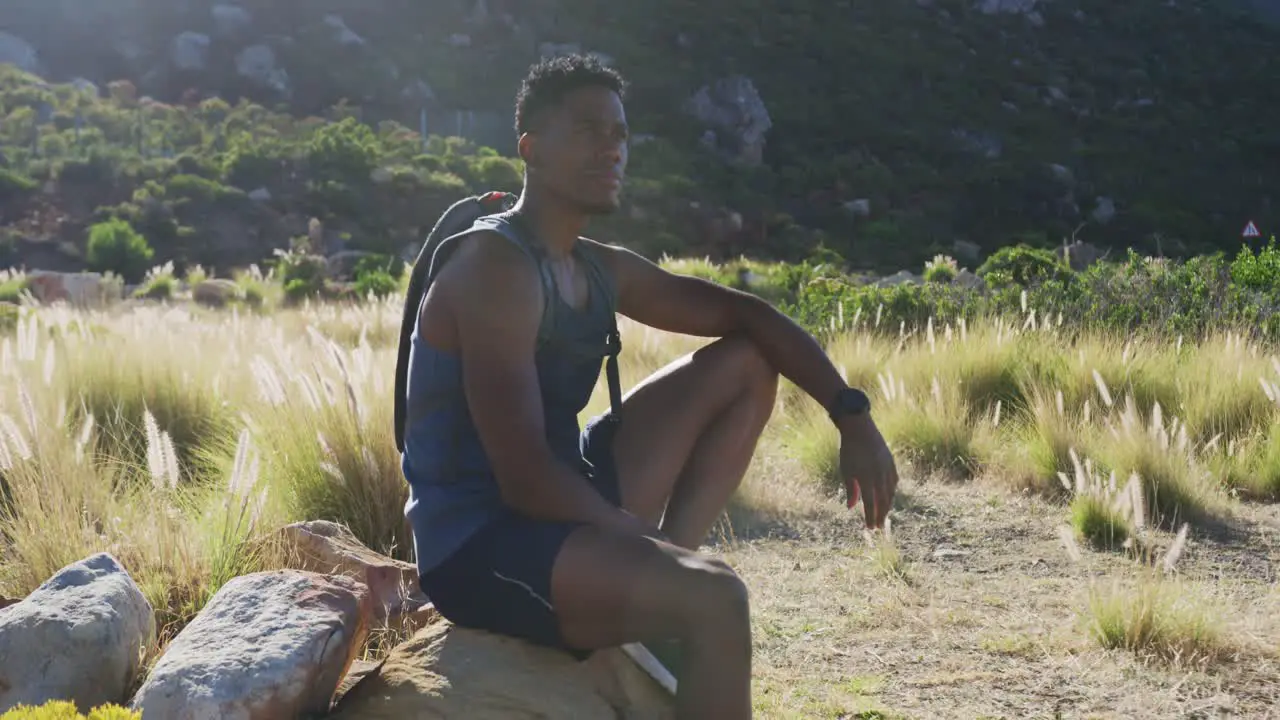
{"x":500,"y":579}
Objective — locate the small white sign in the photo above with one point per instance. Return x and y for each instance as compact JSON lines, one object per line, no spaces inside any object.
{"x":1251,"y":230}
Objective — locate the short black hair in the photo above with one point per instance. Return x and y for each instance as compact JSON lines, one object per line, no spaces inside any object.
{"x":551,"y":79}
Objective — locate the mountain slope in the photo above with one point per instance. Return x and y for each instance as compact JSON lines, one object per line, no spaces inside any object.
{"x":894,"y":128}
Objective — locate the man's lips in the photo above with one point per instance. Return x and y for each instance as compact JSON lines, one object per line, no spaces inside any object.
{"x":607,"y":177}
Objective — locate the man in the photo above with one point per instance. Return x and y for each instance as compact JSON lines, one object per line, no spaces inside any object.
{"x":522,"y":527}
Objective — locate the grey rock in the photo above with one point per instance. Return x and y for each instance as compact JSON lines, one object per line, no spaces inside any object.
{"x":268,"y":645}
{"x":80,"y":636}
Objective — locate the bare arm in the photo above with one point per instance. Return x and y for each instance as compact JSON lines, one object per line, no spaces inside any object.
{"x":693,"y":306}
{"x":495,"y":298}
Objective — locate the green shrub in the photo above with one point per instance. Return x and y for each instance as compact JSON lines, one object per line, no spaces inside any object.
{"x":1024,"y":266}
{"x":13,"y":184}
{"x":65,"y":710}
{"x":114,"y":246}
{"x":9,"y":315}
{"x":941,"y":269}
{"x":376,"y":282}
{"x":1259,"y":272}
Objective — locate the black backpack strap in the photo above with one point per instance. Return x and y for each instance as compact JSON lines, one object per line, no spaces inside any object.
{"x":613,"y":340}
{"x":418,"y":282}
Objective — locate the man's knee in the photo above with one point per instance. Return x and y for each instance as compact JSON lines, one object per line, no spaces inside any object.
{"x":737,"y":356}
{"x":716,"y":594}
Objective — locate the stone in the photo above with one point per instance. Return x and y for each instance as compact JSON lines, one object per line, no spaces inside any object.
{"x":16,"y":51}
{"x":230,"y":20}
{"x":1105,"y":210}
{"x":445,"y":672}
{"x":735,"y":118}
{"x":80,"y":636}
{"x":327,"y":547}
{"x":268,"y":645}
{"x":190,"y":51}
{"x":258,"y":64}
{"x":215,"y":292}
{"x":78,"y":289}
{"x":858,"y":208}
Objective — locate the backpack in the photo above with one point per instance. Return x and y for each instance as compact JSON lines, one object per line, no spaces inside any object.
{"x":460,"y":219}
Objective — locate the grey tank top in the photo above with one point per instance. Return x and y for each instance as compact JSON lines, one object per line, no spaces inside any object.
{"x":452,"y":489}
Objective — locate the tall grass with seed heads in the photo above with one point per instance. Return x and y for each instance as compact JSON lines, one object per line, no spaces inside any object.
{"x":174,"y":436}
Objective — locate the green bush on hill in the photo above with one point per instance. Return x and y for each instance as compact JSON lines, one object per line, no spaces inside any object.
{"x":1137,"y":296}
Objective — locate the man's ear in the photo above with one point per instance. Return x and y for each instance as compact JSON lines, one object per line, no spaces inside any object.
{"x":525,"y":146}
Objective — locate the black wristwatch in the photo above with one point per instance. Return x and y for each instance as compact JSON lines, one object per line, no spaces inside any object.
{"x":849,"y":401}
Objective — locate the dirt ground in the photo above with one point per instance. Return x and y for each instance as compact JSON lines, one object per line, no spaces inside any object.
{"x":990,"y":616}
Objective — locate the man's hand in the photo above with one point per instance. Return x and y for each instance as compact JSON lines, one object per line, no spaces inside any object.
{"x":867,"y":468}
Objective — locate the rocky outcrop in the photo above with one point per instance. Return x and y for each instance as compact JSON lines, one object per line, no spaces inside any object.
{"x":268,"y":645}
{"x":327,"y":547}
{"x":215,"y":292}
{"x":83,"y":289}
{"x":735,"y":117}
{"x":282,"y":645}
{"x":16,"y":51}
{"x":449,"y":673}
{"x":80,"y":636}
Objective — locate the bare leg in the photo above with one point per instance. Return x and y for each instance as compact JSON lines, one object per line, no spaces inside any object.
{"x":688,"y":435}
{"x":609,"y":590}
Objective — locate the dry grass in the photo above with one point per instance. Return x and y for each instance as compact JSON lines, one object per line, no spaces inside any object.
{"x":171,"y":436}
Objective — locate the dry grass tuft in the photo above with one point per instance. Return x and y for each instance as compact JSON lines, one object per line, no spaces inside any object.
{"x":176,"y":438}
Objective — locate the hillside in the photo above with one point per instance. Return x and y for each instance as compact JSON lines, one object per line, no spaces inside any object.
{"x":886,"y":131}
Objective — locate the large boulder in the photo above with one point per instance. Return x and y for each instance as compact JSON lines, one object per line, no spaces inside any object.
{"x":735,"y":118}
{"x":445,"y":672}
{"x":216,"y":292}
{"x":80,"y":636}
{"x":268,"y":645}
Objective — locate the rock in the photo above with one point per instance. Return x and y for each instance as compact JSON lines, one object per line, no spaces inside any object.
{"x":258,"y":63}
{"x":984,"y":143}
{"x":190,"y":51}
{"x":80,"y":636}
{"x":969,"y":252}
{"x":260,"y":195}
{"x":268,"y":645}
{"x":967,"y":279}
{"x":943,"y":553}
{"x":341,"y":33}
{"x":448,"y":672}
{"x":230,"y":20}
{"x":858,"y":208}
{"x":552,"y":49}
{"x":1105,"y":211}
{"x":85,"y":86}
{"x":1016,"y":7}
{"x":418,"y":92}
{"x":902,"y":277}
{"x":78,"y":289}
{"x":16,"y":51}
{"x":1080,"y":255}
{"x":359,"y":670}
{"x":215,"y":292}
{"x":735,"y":117}
{"x":342,"y":265}
{"x":326,"y":547}
{"x":1062,"y":174}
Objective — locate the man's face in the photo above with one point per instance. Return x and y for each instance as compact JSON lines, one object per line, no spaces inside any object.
{"x":580,"y":150}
